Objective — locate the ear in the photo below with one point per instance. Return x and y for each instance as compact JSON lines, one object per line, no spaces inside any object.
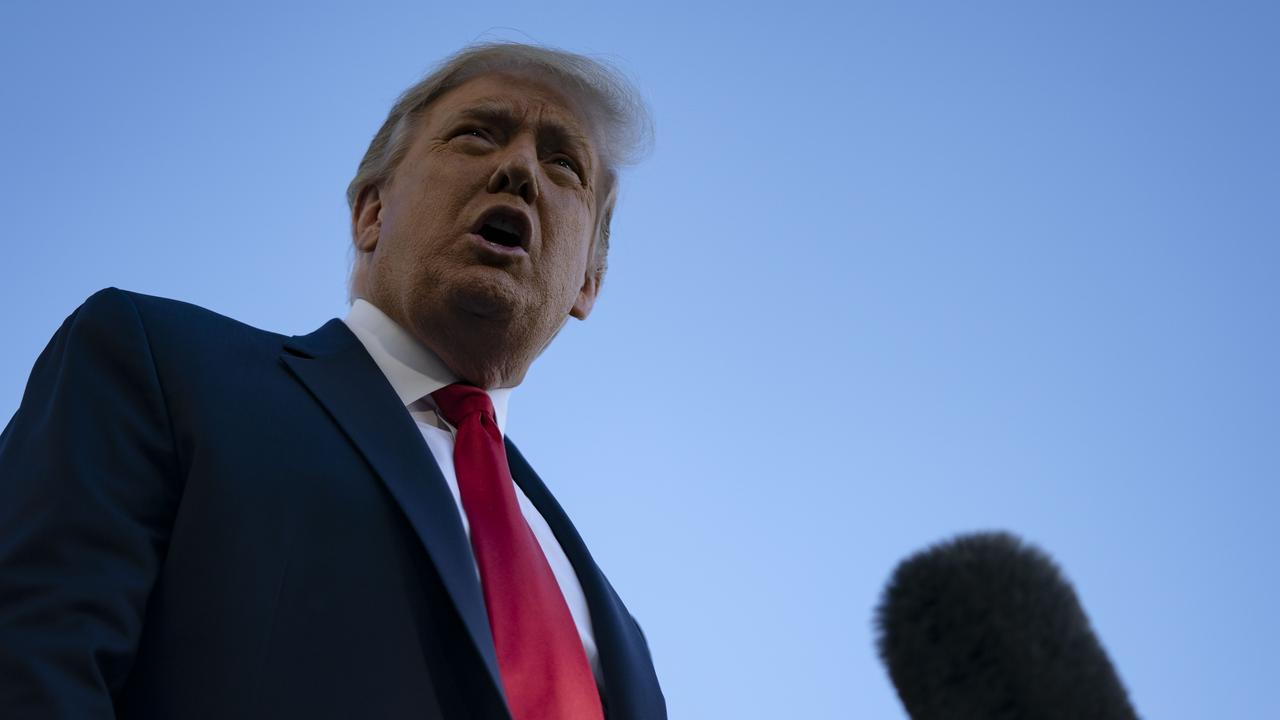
{"x":366,"y":220}
{"x":587,"y":294}
{"x":597,"y":257}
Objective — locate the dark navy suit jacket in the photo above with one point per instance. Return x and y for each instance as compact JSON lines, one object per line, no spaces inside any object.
{"x":199,"y":519}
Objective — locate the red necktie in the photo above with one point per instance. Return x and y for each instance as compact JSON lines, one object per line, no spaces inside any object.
{"x":540,"y":656}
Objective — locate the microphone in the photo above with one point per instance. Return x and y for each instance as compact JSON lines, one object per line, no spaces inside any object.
{"x":986,"y":627}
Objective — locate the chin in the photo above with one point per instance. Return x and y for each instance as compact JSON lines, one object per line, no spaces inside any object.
{"x":486,"y":299}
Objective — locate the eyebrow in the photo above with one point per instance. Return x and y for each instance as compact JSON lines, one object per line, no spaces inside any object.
{"x":502,"y":113}
{"x":497,"y":111}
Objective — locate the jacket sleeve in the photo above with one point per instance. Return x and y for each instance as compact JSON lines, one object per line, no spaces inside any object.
{"x":88,"y":492}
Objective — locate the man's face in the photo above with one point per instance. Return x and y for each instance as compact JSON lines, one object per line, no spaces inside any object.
{"x":490,"y":216}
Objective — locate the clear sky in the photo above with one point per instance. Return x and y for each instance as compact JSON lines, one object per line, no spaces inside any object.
{"x":893,"y":271}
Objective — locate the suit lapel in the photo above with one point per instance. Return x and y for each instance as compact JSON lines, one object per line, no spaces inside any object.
{"x":335,"y":367}
{"x":631,"y":690}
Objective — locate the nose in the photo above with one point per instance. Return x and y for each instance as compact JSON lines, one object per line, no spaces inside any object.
{"x":517,"y":171}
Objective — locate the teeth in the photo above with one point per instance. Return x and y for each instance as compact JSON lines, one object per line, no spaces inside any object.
{"x":505,"y":225}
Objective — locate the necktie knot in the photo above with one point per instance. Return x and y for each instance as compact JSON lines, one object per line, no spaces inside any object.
{"x":458,"y":401}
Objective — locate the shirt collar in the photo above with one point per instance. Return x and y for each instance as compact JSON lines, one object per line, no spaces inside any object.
{"x":413,"y":371}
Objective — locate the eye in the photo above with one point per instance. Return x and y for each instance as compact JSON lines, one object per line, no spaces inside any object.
{"x":472,"y":131}
{"x":567,"y":163}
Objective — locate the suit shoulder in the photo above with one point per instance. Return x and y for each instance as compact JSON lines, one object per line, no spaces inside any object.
{"x":166,"y":310}
{"x":170,"y":330}
{"x":104,"y":320}
{"x":166,"y":319}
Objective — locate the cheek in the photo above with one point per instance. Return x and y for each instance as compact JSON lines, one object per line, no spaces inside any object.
{"x":417,"y":223}
{"x":432,"y":199}
{"x":573,"y":236}
{"x":573,"y":230}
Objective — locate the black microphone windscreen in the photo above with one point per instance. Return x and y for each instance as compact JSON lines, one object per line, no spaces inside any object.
{"x":986,"y":627}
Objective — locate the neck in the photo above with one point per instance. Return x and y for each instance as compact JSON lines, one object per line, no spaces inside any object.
{"x":478,"y":362}
{"x":486,"y":350}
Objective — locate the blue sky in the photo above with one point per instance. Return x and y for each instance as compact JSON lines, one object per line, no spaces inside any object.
{"x":893,"y":271}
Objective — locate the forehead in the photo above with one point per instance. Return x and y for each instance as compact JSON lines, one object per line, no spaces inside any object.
{"x":518,"y":97}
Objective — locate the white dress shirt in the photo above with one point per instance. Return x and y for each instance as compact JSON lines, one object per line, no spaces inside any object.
{"x":414,"y":373}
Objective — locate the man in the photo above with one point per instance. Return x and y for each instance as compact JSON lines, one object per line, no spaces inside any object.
{"x":202,"y":519}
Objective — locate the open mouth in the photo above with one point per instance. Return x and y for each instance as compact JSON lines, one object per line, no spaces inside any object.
{"x":500,"y":235}
{"x":504,"y":226}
